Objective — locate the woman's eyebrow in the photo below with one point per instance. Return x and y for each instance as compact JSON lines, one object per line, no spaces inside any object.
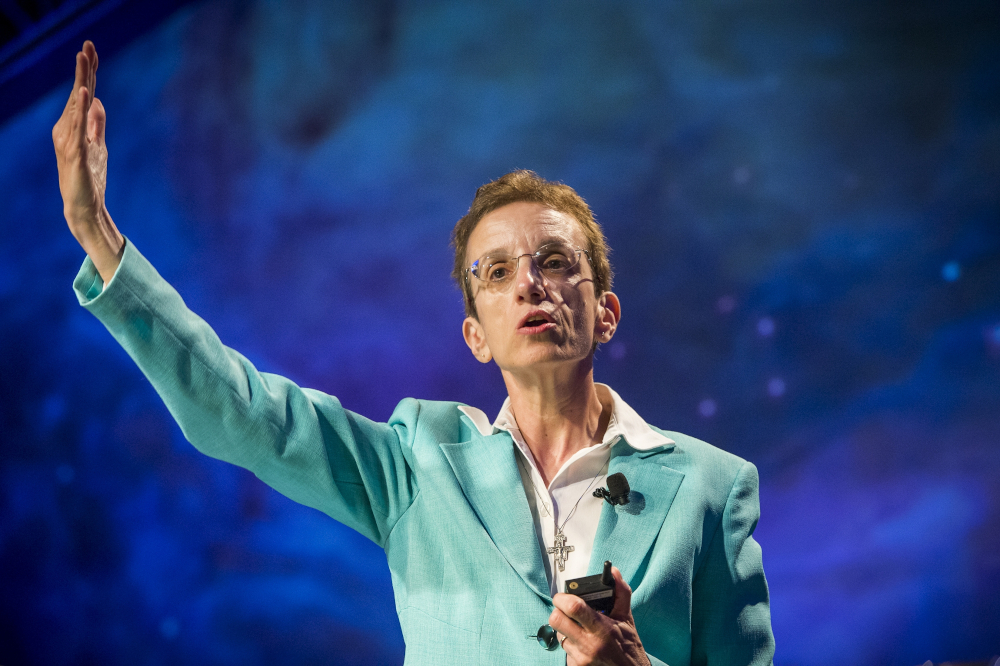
{"x":492,"y":253}
{"x":552,"y":240}
{"x":548,"y":240}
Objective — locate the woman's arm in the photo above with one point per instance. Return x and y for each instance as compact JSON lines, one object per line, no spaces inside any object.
{"x":301,"y":442}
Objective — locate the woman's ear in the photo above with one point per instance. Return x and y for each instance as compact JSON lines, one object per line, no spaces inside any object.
{"x":609,"y":313}
{"x":475,"y":338}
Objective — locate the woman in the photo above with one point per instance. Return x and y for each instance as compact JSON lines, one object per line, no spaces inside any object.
{"x":482,"y":523}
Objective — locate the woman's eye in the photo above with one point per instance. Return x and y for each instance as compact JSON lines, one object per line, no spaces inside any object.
{"x":555,"y":262}
{"x":497,"y":273}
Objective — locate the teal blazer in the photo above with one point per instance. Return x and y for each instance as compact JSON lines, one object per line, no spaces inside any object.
{"x":447,"y":504}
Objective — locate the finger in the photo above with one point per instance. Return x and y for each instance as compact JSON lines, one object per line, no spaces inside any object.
{"x":569,"y":647}
{"x":565,"y":625}
{"x":96,"y":122}
{"x":79,"y":81}
{"x":84,"y":78}
{"x":91,"y":52}
{"x":82,"y":71}
{"x":622,"y":610}
{"x":577,"y":610}
{"x":80,"y":117}
{"x":576,"y":655}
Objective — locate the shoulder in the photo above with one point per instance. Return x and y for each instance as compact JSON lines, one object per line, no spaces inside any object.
{"x":435,"y":421}
{"x":708,"y":469}
{"x":690,"y":450}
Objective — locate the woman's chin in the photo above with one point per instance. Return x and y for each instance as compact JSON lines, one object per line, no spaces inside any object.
{"x":545,"y":356}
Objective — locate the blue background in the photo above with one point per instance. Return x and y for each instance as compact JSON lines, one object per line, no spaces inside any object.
{"x":803,"y":204}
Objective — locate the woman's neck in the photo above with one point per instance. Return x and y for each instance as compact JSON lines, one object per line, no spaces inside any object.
{"x":558,"y":414}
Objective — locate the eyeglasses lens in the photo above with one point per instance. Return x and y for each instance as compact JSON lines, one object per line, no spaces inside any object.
{"x":552,"y":261}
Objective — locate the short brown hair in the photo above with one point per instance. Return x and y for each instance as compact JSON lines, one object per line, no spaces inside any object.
{"x":528,"y":186}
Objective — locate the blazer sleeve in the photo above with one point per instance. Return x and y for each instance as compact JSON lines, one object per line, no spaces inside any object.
{"x":730,"y":614}
{"x":301,"y":442}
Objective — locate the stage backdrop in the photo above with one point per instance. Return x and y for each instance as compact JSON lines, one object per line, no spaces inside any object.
{"x":803,"y":204}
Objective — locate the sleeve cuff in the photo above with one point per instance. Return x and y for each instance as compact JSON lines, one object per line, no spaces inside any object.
{"x":88,"y":284}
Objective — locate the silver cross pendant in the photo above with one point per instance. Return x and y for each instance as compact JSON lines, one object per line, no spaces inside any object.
{"x":560,"y":550}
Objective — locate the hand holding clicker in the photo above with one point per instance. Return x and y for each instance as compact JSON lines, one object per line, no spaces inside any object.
{"x":590,"y":638}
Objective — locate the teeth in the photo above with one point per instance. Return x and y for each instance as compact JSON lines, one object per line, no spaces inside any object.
{"x":536,"y":321}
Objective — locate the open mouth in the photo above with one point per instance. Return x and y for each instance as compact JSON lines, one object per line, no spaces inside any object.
{"x":536,"y":322}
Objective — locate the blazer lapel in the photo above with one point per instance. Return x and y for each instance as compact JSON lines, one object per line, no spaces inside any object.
{"x":626,"y":533}
{"x":487,"y":471}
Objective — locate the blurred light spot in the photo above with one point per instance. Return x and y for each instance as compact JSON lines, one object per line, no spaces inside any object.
{"x":776,"y":387}
{"x":54,"y":409}
{"x":765,"y":327}
{"x":951,"y":271}
{"x":741,"y":175}
{"x":617,"y":350}
{"x":707,"y":408}
{"x":170,"y":627}
{"x":992,"y":335}
{"x":65,"y":474}
{"x":725,"y":304}
{"x":52,"y":413}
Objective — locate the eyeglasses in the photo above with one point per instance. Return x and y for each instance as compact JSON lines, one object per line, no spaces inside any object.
{"x":553,"y":261}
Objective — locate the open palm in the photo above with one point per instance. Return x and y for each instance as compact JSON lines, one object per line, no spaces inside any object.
{"x":82,"y":159}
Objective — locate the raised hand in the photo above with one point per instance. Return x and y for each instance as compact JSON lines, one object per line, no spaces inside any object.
{"x":592,"y":639}
{"x":82,"y":158}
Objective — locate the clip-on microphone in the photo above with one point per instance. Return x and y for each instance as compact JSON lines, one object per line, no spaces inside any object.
{"x":617,"y":491}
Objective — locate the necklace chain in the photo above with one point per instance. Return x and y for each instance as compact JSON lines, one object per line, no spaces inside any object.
{"x":560,"y":549}
{"x":521,"y":464}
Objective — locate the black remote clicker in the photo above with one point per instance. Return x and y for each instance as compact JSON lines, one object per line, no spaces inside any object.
{"x":597,"y":590}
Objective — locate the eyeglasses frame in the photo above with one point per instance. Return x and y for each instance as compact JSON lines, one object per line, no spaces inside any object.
{"x":534,"y":257}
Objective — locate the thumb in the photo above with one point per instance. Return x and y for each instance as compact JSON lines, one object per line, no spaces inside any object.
{"x":622,"y":610}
